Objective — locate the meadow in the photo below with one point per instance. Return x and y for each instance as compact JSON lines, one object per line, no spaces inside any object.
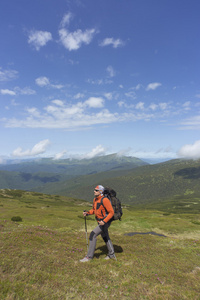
{"x":39,"y":256}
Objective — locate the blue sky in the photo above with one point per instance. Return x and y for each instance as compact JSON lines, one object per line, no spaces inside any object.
{"x":86,"y":78}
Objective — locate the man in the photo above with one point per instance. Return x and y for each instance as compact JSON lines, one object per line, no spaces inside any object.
{"x":104,"y":214}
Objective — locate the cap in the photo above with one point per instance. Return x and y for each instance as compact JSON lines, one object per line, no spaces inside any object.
{"x":100,"y":188}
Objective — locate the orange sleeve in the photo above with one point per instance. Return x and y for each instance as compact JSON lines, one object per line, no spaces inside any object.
{"x":90,"y":212}
{"x":109,"y":208}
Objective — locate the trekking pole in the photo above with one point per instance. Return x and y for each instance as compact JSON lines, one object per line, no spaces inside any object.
{"x":86,"y":232}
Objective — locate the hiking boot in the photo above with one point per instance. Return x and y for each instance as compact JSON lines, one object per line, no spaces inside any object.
{"x":108,"y":257}
{"x":85,"y":259}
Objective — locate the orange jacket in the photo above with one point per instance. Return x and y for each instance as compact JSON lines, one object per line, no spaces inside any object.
{"x":102,"y":212}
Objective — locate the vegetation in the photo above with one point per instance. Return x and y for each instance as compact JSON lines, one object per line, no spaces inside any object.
{"x":39,"y":257}
{"x":144,"y":184}
{"x":16,"y":219}
{"x":44,"y":173}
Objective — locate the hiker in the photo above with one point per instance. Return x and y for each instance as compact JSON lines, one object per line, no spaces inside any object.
{"x":103,"y":214}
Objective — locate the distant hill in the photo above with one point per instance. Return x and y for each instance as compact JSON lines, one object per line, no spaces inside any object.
{"x":145,"y":184}
{"x":31,"y":174}
{"x":135,"y":181}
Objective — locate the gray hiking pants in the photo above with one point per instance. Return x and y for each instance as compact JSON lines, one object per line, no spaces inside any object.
{"x":103,"y":230}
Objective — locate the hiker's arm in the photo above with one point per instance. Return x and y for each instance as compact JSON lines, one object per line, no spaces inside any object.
{"x":109,"y":208}
{"x":90,"y":212}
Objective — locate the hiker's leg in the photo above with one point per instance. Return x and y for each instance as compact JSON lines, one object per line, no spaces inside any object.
{"x":93,"y":240}
{"x":106,"y":238}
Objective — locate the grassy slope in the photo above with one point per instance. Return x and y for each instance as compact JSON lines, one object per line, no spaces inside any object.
{"x":39,"y":257}
{"x":145,"y":184}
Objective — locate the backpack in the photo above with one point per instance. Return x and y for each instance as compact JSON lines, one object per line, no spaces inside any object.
{"x":116,"y":203}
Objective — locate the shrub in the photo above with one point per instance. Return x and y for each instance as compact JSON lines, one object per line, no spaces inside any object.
{"x":15,"y":193}
{"x":196,"y":222}
{"x":16,"y":219}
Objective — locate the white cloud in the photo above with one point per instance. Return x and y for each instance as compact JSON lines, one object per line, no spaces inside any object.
{"x":111,"y":71}
{"x":78,"y":96}
{"x":59,"y":155}
{"x":153,"y":86}
{"x":153,"y":106}
{"x":39,"y":148}
{"x":97,"y":151}
{"x":42,"y":81}
{"x":18,"y":91}
{"x":162,"y":106}
{"x":6,"y":75}
{"x":121,"y":103}
{"x":67,"y":116}
{"x":124,"y":152}
{"x":98,"y":81}
{"x":58,"y":102}
{"x":25,"y":91}
{"x":74,"y":40}
{"x":191,"y":151}
{"x":138,"y":87}
{"x":57,"y":86}
{"x":38,"y":38}
{"x":95,"y":102}
{"x":140,"y":105}
{"x":83,"y":114}
{"x":131,"y":94}
{"x":33,"y":112}
{"x":108,"y":96}
{"x":8,"y":92}
{"x":66,"y":19}
{"x":64,"y":112}
{"x":157,"y":154}
{"x":110,"y":41}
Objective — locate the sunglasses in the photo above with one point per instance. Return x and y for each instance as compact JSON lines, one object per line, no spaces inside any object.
{"x":96,"y":190}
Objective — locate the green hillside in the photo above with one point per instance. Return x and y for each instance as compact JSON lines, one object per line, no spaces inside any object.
{"x":27,"y":181}
{"x":157,"y":253}
{"x":146,"y":184}
{"x":31,"y":174}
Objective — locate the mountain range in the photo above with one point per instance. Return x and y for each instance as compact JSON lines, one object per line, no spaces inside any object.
{"x":135,"y":181}
{"x":32,"y":174}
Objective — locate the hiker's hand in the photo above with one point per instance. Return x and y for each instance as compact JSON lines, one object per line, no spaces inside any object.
{"x":101,"y":223}
{"x":85,"y":213}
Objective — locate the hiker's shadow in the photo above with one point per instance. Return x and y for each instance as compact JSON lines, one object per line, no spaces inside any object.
{"x":104,"y":250}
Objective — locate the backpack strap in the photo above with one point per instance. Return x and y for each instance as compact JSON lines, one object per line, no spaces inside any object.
{"x":102,"y":201}
{"x":105,"y":207}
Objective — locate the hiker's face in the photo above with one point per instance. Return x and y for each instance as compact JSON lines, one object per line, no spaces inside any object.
{"x":96,"y":193}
